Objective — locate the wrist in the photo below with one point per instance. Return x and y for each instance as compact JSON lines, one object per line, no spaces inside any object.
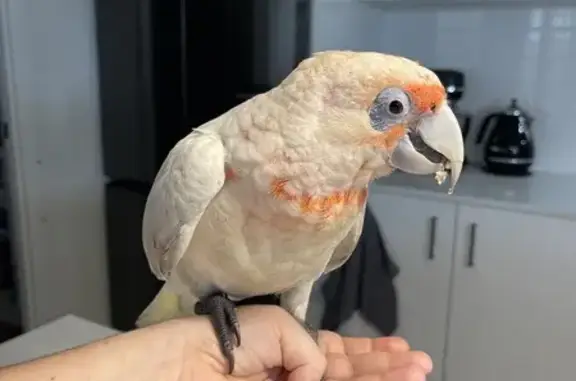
{"x":197,"y":345}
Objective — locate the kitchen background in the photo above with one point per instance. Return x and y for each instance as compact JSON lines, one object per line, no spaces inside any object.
{"x":514,"y":51}
{"x":481,"y":272}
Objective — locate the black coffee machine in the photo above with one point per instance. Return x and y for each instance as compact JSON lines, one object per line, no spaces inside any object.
{"x":454,"y":83}
{"x":508,"y":143}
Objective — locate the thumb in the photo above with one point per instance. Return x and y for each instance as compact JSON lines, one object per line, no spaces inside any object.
{"x":301,"y":355}
{"x":289,"y":345}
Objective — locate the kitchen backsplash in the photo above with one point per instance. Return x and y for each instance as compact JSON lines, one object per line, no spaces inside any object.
{"x":524,"y":53}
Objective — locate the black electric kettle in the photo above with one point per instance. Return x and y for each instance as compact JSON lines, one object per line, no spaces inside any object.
{"x":509,"y":145}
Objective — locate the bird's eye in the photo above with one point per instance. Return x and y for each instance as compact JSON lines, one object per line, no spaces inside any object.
{"x":395,"y":107}
{"x":390,"y":107}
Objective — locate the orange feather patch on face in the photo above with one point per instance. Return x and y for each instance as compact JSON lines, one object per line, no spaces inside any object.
{"x":426,"y":97}
{"x":387,"y":139}
{"x":329,"y":206}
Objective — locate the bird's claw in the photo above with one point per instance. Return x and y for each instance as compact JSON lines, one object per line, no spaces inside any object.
{"x":222,"y":312}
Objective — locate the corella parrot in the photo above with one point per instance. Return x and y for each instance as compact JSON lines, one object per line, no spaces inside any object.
{"x":267,"y":197}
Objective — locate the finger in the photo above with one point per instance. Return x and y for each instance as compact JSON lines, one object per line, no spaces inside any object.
{"x":304,"y":374}
{"x":354,"y":345}
{"x":330,"y":342}
{"x":338,"y":367}
{"x":382,"y":362}
{"x":403,"y":374}
{"x":390,"y":344}
{"x":342,"y":367}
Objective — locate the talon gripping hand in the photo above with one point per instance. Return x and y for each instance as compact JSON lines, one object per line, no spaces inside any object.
{"x":269,"y":196}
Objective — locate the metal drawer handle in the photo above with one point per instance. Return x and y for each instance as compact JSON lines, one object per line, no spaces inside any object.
{"x":472,"y":245}
{"x":432,"y":238}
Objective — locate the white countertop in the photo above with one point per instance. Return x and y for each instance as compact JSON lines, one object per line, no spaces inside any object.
{"x":64,"y":333}
{"x":541,"y":193}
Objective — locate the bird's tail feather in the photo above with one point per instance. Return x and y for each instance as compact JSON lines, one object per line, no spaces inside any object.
{"x":164,"y":306}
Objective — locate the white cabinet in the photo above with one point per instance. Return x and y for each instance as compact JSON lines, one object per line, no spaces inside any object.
{"x":495,"y":300}
{"x":420,"y":235}
{"x":513,"y":307}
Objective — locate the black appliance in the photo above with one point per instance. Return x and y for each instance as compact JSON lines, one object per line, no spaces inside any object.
{"x":454,"y":83}
{"x":508,"y":143}
{"x":165,"y":67}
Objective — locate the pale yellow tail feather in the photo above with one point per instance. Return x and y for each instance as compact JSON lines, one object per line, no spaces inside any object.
{"x":165,"y":306}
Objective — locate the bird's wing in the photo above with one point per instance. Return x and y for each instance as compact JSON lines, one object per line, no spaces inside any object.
{"x":347,"y":246}
{"x":190,"y":177}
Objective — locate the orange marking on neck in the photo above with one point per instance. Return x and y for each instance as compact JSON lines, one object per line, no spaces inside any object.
{"x":328,"y":206}
{"x":387,"y":139}
{"x":426,"y":97}
{"x":229,"y":174}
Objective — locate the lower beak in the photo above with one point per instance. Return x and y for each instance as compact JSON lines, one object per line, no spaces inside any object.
{"x":435,"y":145}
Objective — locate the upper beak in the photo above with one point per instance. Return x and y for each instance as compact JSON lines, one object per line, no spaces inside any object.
{"x":436,"y":144}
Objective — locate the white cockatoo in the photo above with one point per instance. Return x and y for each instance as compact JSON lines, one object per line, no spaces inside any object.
{"x":269,"y":196}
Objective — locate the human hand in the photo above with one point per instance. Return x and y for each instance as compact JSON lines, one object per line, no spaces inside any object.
{"x":275,"y":347}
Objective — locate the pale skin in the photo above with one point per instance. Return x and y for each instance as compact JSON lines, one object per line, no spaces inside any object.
{"x":275,"y":347}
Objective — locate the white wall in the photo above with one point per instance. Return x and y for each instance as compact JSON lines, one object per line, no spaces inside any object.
{"x":49,"y":58}
{"x":523,"y":52}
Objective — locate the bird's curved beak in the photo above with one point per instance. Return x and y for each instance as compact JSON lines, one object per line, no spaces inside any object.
{"x":435,"y":144}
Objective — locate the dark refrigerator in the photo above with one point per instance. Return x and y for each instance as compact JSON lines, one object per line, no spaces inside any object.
{"x":165,"y":67}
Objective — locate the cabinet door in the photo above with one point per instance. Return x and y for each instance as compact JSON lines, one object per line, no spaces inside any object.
{"x":514,"y":309}
{"x":419,"y":234}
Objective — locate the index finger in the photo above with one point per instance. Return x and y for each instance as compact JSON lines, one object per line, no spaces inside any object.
{"x":360,"y":345}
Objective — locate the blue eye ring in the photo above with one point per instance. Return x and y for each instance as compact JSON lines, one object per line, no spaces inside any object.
{"x":391,"y":106}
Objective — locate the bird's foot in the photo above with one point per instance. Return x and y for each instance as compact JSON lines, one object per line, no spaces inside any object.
{"x":222,"y":312}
